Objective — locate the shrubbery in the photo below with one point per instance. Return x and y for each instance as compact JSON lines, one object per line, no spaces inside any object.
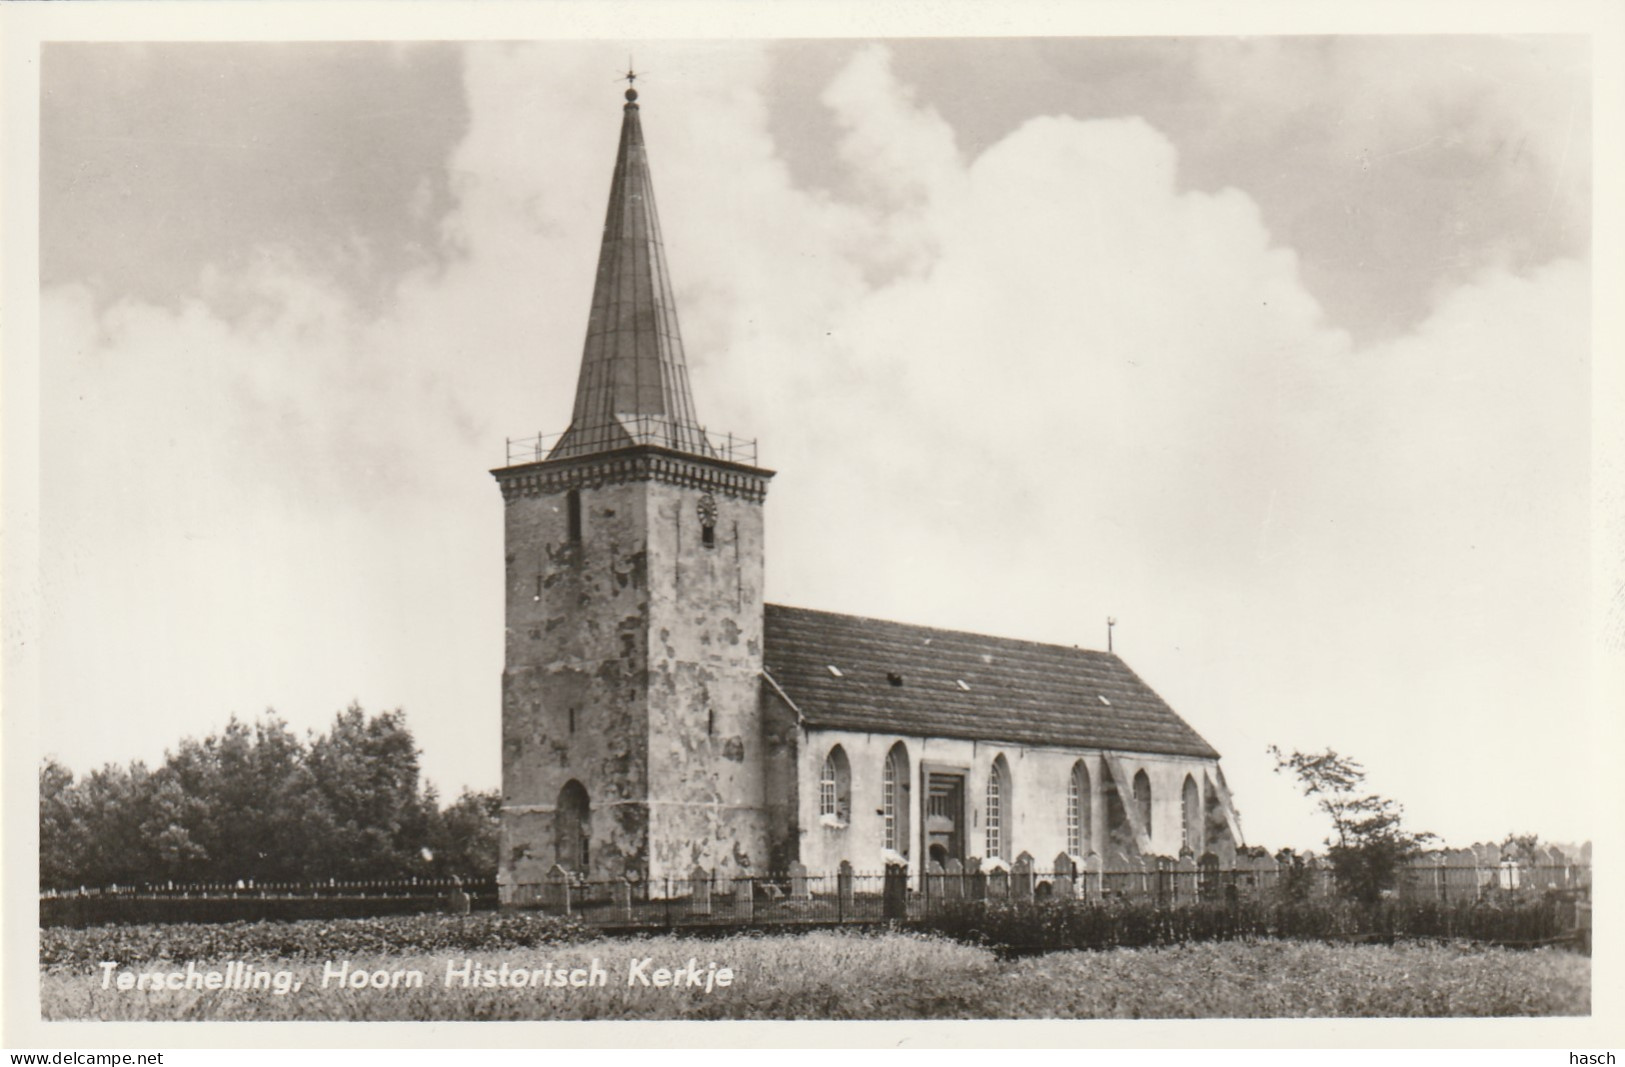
{"x":315,"y":939}
{"x":1067,"y":924}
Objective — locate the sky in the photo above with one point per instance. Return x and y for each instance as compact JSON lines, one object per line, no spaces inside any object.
{"x":1277,"y":350}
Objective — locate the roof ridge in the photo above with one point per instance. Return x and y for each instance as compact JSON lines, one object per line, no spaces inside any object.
{"x":944,"y":630}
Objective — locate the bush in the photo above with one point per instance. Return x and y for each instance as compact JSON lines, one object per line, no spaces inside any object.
{"x":311,"y":939}
{"x":248,"y":907}
{"x":1072,"y":924}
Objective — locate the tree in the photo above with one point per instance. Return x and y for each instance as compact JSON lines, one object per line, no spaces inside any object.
{"x":1520,"y":847}
{"x":366,"y":772}
{"x":464,"y":842}
{"x":62,"y":837}
{"x":257,"y":801}
{"x":1369,"y":847}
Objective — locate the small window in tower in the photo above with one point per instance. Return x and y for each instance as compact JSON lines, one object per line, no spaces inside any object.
{"x":572,"y":720}
{"x":573,"y":505}
{"x":708,"y":535}
{"x":894,"y":678}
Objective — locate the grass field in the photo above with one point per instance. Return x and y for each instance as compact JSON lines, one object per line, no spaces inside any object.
{"x":847,"y":975}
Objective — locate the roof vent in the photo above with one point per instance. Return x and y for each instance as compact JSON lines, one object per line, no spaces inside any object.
{"x":894,"y":678}
{"x":1101,"y":696}
{"x":961,"y":683}
{"x":836,"y":671}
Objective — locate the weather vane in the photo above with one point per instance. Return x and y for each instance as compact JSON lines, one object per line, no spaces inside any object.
{"x":630,"y":78}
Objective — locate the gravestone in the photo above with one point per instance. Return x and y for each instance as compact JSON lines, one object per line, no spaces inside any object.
{"x":953,"y":880}
{"x":975,"y":879}
{"x":1207,"y":876}
{"x":1185,"y":875}
{"x":1021,"y":879}
{"x":998,"y":884}
{"x":934,"y":882}
{"x":1065,"y":877}
{"x":457,"y":902}
{"x":1091,"y":879}
{"x":1551,"y":868}
{"x":699,"y":890}
{"x":557,"y":889}
{"x":744,"y":900}
{"x":1461,"y":874}
{"x":843,"y":888}
{"x":623,"y":900}
{"x":1426,"y":881}
{"x":798,"y":881}
{"x":894,"y":894}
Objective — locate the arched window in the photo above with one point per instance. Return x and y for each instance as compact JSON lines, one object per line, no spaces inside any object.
{"x":998,"y":811}
{"x":1190,"y":816}
{"x":835,"y":787}
{"x":572,"y":827}
{"x":1142,"y":800}
{"x":1078,"y":811}
{"x":894,"y":799}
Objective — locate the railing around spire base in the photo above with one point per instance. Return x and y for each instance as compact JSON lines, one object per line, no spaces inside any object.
{"x":654,"y":431}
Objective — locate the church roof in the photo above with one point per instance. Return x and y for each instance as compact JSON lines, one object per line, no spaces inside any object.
{"x":633,"y":388}
{"x":891,"y":677}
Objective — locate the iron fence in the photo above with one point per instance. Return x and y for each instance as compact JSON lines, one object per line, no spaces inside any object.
{"x":798,"y":896}
{"x":658,"y":430}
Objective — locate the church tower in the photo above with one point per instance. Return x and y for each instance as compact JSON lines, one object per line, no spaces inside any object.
{"x":631,"y":745}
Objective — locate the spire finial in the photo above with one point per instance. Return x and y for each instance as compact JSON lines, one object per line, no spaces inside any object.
{"x":630,"y":77}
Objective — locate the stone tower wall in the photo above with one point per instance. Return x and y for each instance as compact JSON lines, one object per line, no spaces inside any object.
{"x":705,"y":660}
{"x":577,"y":638}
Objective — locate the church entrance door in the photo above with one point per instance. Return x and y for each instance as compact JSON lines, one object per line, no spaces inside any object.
{"x":945,"y":816}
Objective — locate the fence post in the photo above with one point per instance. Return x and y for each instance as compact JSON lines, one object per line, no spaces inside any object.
{"x":843,"y":890}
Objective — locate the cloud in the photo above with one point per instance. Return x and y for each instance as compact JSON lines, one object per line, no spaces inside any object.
{"x":1014,"y":392}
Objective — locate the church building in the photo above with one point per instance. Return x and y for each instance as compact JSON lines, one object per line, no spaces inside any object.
{"x":658,"y":715}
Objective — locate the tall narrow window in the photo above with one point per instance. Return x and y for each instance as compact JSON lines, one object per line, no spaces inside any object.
{"x":998,"y":810}
{"x":894,"y":799}
{"x":573,"y":506}
{"x":1142,"y":801}
{"x":1190,"y":816}
{"x":834,"y":787}
{"x":1078,"y":811}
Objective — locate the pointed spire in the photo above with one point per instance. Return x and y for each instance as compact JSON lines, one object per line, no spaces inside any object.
{"x":633,"y":387}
